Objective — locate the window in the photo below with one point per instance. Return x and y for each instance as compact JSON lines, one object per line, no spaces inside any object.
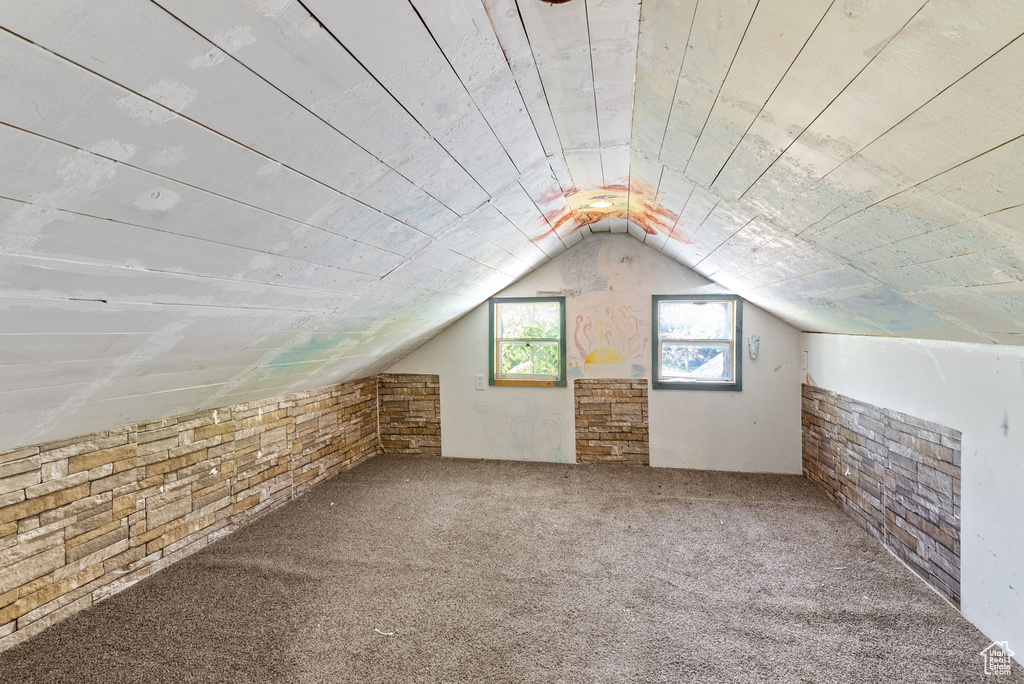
{"x":527,"y":344}
{"x":697,"y":342}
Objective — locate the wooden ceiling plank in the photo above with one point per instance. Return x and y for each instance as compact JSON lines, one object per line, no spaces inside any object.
{"x":644,"y":182}
{"x":742,"y":253}
{"x":81,"y":109}
{"x":915,"y":67}
{"x":614,"y":35}
{"x":221,"y":98}
{"x":510,"y":32}
{"x":718,"y":30}
{"x":37,"y":375}
{"x":78,"y":237}
{"x":846,"y":41}
{"x":466,"y":241}
{"x":390,"y":40}
{"x":560,"y":40}
{"x":666,"y":210}
{"x":291,"y":50}
{"x":778,"y":32}
{"x":523,"y":243}
{"x":979,"y":112}
{"x":559,"y":37}
{"x":48,"y":278}
{"x":492,"y":134}
{"x":663,"y":44}
{"x":22,"y":315}
{"x":548,"y":195}
{"x":46,"y":174}
{"x":464,"y":33}
{"x":986,"y":184}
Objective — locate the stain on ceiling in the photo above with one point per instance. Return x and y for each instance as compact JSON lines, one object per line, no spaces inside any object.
{"x":205,"y":203}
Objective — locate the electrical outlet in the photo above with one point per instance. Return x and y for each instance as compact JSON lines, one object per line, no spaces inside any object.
{"x":481,"y":381}
{"x":803,"y":360}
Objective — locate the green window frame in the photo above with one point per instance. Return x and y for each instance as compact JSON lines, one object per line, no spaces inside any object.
{"x":731,"y":346}
{"x":499,"y":343}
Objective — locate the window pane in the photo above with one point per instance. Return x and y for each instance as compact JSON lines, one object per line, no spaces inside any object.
{"x":695,"y":362}
{"x":695,"y":320}
{"x":528,"y":320}
{"x":528,"y":358}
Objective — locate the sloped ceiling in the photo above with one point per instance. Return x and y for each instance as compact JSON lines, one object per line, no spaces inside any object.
{"x":209,"y":202}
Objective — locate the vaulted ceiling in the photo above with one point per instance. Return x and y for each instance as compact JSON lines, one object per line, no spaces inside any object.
{"x":209,"y":202}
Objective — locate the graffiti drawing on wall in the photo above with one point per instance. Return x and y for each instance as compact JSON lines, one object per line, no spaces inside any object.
{"x":518,"y":432}
{"x":610,"y":345}
{"x":636,"y":202}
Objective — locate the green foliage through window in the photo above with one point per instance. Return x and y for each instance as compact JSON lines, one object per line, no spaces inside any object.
{"x":527,"y":341}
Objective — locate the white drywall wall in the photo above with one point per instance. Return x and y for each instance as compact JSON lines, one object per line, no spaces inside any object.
{"x":610,"y":279}
{"x":979,"y":390}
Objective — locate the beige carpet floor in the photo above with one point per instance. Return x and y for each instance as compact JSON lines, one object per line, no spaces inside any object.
{"x":410,"y":569}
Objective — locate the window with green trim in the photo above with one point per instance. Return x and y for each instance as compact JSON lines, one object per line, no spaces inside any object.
{"x":697,"y":342}
{"x":527,"y":341}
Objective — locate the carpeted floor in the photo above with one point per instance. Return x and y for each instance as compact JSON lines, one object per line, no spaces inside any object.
{"x":497,"y":571}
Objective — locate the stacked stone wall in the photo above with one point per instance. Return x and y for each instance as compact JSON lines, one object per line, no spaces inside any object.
{"x":82,"y":519}
{"x":896,"y":475}
{"x":612,"y":421}
{"x":410,"y":413}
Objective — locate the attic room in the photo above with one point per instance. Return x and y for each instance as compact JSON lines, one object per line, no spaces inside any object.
{"x":511,"y":341}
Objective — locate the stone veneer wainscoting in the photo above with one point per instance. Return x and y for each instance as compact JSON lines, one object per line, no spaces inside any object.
{"x":612,"y":421}
{"x":82,"y":519}
{"x":896,"y":475}
{"x":410,"y":413}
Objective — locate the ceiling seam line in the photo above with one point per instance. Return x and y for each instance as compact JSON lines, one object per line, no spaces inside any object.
{"x":679,"y":76}
{"x":547,"y":102}
{"x":723,"y":243}
{"x":204,"y":127}
{"x":772,"y":94}
{"x":540,"y":79}
{"x":706,"y":217}
{"x":463,"y":84}
{"x":304,"y":107}
{"x":632,"y":122}
{"x":679,"y":216}
{"x":547,"y":161}
{"x":189,"y":237}
{"x":209,"y":192}
{"x":919,"y":183}
{"x":181,"y":274}
{"x":543,"y":216}
{"x":593,"y":80}
{"x":512,"y":223}
{"x":922,"y":233}
{"x":721,"y":86}
{"x":919,"y":108}
{"x":836,"y":97}
{"x":657,"y":193}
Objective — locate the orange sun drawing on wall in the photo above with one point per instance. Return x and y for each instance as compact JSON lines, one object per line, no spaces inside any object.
{"x":636,"y":202}
{"x":611,"y":345}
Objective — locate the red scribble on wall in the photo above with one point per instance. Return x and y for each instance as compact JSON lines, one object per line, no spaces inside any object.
{"x":636,"y":202}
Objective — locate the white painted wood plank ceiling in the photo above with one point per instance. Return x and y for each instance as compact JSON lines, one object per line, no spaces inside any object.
{"x":210,"y":202}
